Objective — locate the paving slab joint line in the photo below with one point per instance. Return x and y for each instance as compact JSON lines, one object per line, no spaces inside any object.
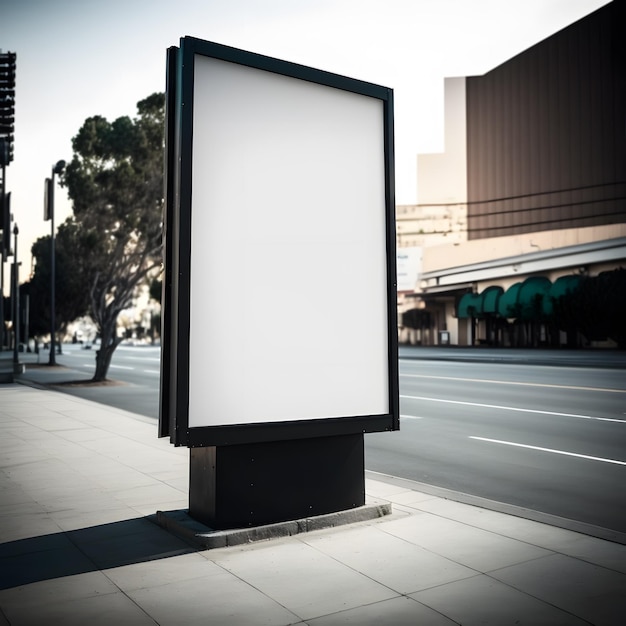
{"x":181,"y":524}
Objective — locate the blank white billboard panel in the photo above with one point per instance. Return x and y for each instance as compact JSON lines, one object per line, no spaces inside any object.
{"x":281,"y":250}
{"x":287,"y":226}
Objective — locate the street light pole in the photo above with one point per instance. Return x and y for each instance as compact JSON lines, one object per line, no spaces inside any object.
{"x":49,"y":214}
{"x":16,"y":300}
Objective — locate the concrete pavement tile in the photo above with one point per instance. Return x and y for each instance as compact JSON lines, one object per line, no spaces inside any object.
{"x":62,"y":589}
{"x":597,"y":551}
{"x":482,"y":601}
{"x":397,"y":612}
{"x":79,"y":519}
{"x":380,"y":489}
{"x":391,"y":561}
{"x":151,"y":574}
{"x":17,"y":529}
{"x":301,"y":578}
{"x":105,"y":445}
{"x":164,"y":467}
{"x":148,"y":508}
{"x":28,"y":566}
{"x":156,"y":494}
{"x":217,"y":598}
{"x":593,"y":593}
{"x":88,"y":498}
{"x":21,"y":455}
{"x":35,"y":544}
{"x":23,"y":433}
{"x":117,"y":476}
{"x":78,"y":435}
{"x":12,"y":496}
{"x":36,"y":474}
{"x":180,"y":483}
{"x":53,"y":421}
{"x":125,"y":542}
{"x":473,"y":547}
{"x":408,"y":498}
{"x":113,"y":608}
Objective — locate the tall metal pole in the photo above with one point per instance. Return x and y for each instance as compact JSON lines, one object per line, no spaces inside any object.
{"x":57,"y":169}
{"x":16,"y":300}
{"x":52,"y":360}
{"x":3,"y":246}
{"x":2,"y":297}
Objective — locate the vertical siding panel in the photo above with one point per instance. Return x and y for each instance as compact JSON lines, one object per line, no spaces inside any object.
{"x":549,"y":121}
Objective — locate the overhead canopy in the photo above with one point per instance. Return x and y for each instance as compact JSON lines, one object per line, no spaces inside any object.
{"x":532,"y":293}
{"x":507,"y":303}
{"x":490,"y":298}
{"x":469,"y":306}
{"x":528,"y":300}
{"x":560,"y":287}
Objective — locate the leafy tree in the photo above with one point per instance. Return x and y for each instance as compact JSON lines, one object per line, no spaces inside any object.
{"x":71,"y":284}
{"x":115,"y":182}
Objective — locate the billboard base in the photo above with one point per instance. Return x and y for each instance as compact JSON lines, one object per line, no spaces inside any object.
{"x":256,"y":484}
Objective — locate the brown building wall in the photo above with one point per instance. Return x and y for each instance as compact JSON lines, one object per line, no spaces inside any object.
{"x":546,"y":133}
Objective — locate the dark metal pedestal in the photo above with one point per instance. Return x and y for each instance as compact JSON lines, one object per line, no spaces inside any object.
{"x":264,"y":483}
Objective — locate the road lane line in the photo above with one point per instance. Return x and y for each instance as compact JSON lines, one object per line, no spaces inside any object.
{"x":523,"y":445}
{"x":411,"y":417}
{"x":509,"y":382}
{"x":121,"y":367}
{"x":513,"y":408}
{"x":151,"y":371}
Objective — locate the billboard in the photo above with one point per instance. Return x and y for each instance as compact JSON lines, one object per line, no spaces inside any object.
{"x":279,"y":216}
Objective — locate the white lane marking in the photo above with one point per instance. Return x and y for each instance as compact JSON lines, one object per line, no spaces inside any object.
{"x":142,"y":358}
{"x":508,"y":382}
{"x":151,"y":371}
{"x":523,"y":445}
{"x":512,"y":408}
{"x":411,"y":417}
{"x":121,"y":367}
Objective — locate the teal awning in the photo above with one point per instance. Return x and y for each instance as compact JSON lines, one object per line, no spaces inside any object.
{"x":480,"y":304}
{"x":469,"y":306}
{"x":507,"y":303}
{"x":490,"y":298}
{"x":561,"y":286}
{"x":532,"y":293}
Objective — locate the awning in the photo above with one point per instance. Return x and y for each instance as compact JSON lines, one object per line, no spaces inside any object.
{"x":507,"y":303}
{"x":490,"y":298}
{"x":480,"y":304}
{"x":470,"y":305}
{"x":561,"y":286}
{"x":530,"y":298}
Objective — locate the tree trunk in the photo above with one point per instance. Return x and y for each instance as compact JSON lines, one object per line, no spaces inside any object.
{"x":108,"y":344}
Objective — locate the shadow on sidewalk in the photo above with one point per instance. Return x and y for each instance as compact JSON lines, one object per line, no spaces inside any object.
{"x":86,"y":550}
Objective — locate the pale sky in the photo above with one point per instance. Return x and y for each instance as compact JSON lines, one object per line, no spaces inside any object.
{"x":79,"y":58}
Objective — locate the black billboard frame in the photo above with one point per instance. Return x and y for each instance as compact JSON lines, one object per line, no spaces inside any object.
{"x":175,"y":336}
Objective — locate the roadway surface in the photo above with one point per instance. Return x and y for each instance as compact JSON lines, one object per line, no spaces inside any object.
{"x":540,"y":430}
{"x":548,"y":438}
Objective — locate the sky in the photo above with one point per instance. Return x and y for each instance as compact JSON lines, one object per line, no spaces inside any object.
{"x":80,"y":58}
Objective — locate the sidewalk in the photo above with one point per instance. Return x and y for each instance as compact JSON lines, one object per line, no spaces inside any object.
{"x":80,"y":483}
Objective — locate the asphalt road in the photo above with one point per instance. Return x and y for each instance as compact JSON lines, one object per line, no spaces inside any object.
{"x":548,"y":438}
{"x":495,"y":424}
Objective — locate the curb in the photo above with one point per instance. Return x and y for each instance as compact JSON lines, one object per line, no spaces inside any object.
{"x":181,"y":524}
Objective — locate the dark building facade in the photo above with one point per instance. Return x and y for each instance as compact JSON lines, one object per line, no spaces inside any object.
{"x":546,"y":133}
